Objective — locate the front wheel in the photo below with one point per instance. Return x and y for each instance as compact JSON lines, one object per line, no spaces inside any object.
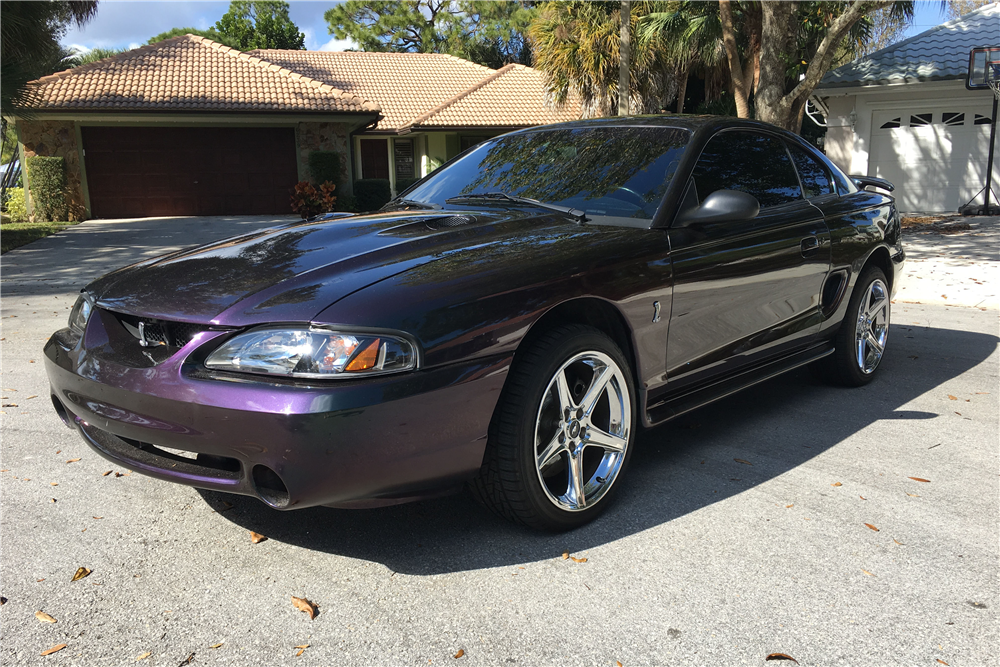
{"x":861,"y":340}
{"x":561,"y":435}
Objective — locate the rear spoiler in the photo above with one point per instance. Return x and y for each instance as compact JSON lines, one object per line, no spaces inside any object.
{"x":864,"y":181}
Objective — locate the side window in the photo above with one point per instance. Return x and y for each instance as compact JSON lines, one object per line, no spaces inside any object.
{"x":753,"y":163}
{"x":816,"y":180}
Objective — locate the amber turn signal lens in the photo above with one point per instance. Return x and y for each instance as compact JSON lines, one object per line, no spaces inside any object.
{"x":366,"y":359}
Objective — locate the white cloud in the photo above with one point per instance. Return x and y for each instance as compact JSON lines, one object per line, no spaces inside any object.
{"x":338,"y":45}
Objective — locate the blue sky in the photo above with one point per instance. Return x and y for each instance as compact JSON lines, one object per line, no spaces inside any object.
{"x":129,"y":24}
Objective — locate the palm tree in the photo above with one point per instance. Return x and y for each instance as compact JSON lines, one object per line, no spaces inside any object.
{"x":29,"y":44}
{"x":577,"y":45}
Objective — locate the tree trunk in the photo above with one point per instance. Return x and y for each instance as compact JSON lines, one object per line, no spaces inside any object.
{"x":735,"y":71}
{"x":682,"y":84}
{"x":624,"y":86}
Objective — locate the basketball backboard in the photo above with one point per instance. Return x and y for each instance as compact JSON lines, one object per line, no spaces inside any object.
{"x":984,"y":67}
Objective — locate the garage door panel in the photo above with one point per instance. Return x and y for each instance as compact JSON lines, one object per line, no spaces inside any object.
{"x":934,"y":155}
{"x":137,"y":171}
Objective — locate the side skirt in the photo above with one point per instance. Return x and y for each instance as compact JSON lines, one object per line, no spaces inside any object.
{"x":669,"y":407}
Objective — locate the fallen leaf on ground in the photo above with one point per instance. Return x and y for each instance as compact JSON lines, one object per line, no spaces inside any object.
{"x":97,"y":517}
{"x":872,"y":527}
{"x":618,"y":663}
{"x":941,"y":661}
{"x":81,"y":573}
{"x":898,"y":542}
{"x":868,"y":573}
{"x":305,"y":605}
{"x":303,"y":646}
{"x":912,"y":495}
{"x":460,"y":653}
{"x":32,"y":396}
{"x":578,"y":560}
{"x":781,"y":656}
{"x":50,"y":651}
{"x":72,"y":460}
{"x":187,"y":660}
{"x":836,"y":484}
{"x":301,"y":651}
{"x":742,"y":461}
{"x":256,"y":537}
{"x":920,"y":479}
{"x":43,"y":617}
{"x":217,"y":645}
{"x":143,"y":656}
{"x":53,"y":483}
{"x":952,"y":398}
{"x":862,"y":498}
{"x":106,"y":474}
{"x":792,"y":505}
{"x":565,"y":555}
{"x":3,"y":601}
{"x":118,"y":474}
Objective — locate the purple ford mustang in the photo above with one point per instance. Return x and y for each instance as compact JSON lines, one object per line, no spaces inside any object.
{"x":508,"y":323}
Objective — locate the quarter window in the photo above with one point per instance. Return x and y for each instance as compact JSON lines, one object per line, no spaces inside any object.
{"x":816,"y":180}
{"x":753,"y":163}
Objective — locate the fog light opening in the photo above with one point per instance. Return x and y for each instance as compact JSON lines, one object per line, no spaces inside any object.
{"x":269,"y":486}
{"x":63,"y":413}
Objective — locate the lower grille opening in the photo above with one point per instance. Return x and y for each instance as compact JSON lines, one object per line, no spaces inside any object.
{"x":63,"y":413}
{"x":269,"y":486}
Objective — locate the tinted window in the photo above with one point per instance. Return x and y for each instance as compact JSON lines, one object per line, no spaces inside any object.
{"x":753,"y":163}
{"x":816,"y":180}
{"x":605,"y":171}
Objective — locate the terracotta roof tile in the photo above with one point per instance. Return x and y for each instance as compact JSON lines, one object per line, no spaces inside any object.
{"x":406,"y":85}
{"x":513,"y":96}
{"x":191,"y":72}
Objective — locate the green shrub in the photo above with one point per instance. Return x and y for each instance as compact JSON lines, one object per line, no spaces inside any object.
{"x":346,"y":204}
{"x":403,"y":183}
{"x":47,"y":179}
{"x":371,"y":194}
{"x":325,"y":166}
{"x":15,"y":207}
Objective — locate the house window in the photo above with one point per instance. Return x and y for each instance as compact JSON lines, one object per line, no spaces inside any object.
{"x":920,"y":119}
{"x":982,"y":120}
{"x":953,"y":118}
{"x":374,"y":158}
{"x":402,"y":155}
{"x":891,"y":124}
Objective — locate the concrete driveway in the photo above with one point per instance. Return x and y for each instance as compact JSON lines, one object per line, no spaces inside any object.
{"x":745,"y":529}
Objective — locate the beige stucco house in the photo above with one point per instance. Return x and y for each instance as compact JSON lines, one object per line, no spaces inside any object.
{"x":191,"y":127}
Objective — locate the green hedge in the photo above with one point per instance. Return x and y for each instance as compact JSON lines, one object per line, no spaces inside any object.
{"x":325,"y":166}
{"x":47,"y":179}
{"x":371,"y":194}
{"x":15,"y":206}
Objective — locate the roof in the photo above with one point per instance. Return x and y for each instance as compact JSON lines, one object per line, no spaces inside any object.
{"x":937,"y":54}
{"x":406,"y":85}
{"x":513,"y":96}
{"x":190,"y":72}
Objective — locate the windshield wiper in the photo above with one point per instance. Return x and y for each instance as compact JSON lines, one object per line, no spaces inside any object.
{"x":578,"y":215}
{"x":413,"y":202}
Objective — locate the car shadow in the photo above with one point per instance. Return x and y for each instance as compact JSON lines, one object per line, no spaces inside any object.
{"x":676,"y":469}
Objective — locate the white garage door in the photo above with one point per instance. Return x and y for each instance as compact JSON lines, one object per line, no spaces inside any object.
{"x":934,"y":155}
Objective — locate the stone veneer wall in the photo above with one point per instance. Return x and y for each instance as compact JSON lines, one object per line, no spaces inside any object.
{"x":326,"y":137}
{"x":57,"y":138}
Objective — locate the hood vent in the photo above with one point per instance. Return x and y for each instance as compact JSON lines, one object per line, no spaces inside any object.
{"x":450,"y":221}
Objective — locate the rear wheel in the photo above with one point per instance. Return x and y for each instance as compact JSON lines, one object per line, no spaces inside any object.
{"x":861,"y":340}
{"x":561,"y":435}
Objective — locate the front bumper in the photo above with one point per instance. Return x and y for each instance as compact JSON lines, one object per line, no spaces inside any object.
{"x":355,"y":443}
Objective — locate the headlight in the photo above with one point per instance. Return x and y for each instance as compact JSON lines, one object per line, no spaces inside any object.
{"x":314,"y":353}
{"x":81,"y":313}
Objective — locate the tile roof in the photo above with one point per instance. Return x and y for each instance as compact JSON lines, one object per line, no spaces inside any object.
{"x":190,"y":72}
{"x":406,"y":85}
{"x":936,"y":54}
{"x":513,"y":96}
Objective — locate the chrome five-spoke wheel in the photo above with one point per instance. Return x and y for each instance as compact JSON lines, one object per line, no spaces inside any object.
{"x":562,"y":432}
{"x":582,"y":430}
{"x":872,"y":327}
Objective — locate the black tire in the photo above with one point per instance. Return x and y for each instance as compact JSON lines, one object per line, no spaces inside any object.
{"x":845,"y":366}
{"x":512,"y":482}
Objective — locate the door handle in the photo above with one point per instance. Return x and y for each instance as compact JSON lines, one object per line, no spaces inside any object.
{"x":809,"y":244}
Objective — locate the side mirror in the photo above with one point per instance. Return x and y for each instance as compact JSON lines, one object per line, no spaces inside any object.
{"x":864,"y":181}
{"x":721,"y":206}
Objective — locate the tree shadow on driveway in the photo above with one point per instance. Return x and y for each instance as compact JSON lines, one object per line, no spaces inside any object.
{"x":777,"y":426}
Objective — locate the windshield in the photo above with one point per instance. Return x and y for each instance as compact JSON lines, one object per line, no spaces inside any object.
{"x":604,"y":171}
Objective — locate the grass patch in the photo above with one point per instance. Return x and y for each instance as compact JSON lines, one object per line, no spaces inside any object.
{"x":16,"y":234}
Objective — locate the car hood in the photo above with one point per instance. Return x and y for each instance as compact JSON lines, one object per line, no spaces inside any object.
{"x":293,"y":272}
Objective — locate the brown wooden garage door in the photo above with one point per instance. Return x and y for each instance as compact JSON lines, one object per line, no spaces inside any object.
{"x":151,"y":171}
